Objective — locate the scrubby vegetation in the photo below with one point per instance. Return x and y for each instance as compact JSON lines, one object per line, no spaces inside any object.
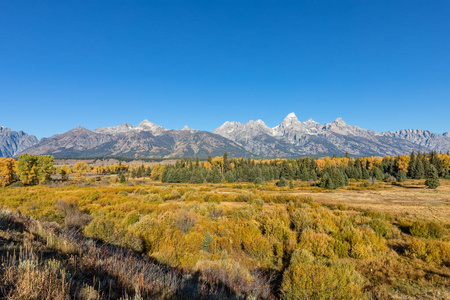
{"x":92,"y":235}
{"x":244,"y":243}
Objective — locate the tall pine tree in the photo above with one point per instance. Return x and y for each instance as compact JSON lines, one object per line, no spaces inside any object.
{"x":432,"y":181}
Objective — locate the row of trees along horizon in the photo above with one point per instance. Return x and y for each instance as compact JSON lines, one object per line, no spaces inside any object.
{"x":329,"y":173}
{"x":333,"y":172}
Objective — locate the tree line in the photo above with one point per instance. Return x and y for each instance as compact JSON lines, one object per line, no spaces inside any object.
{"x":326,"y":172}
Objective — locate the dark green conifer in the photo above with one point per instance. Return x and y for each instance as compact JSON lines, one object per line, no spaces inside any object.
{"x":282,"y":182}
{"x":401,"y":176}
{"x":207,"y":242}
{"x":432,"y":181}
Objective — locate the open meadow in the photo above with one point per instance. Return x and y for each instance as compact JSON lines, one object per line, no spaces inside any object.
{"x":226,"y":240}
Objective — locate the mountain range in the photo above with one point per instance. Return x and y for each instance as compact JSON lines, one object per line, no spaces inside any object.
{"x":291,"y":138}
{"x":13,"y":142}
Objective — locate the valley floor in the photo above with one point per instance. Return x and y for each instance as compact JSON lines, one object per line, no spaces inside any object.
{"x":215,"y":241}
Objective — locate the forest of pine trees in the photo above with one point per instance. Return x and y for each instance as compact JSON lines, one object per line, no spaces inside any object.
{"x":328,"y":172}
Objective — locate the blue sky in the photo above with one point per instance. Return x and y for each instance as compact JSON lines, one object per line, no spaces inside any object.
{"x":381,"y":65}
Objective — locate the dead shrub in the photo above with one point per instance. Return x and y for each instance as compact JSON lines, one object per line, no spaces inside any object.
{"x":186,"y":220}
{"x":73,"y":217}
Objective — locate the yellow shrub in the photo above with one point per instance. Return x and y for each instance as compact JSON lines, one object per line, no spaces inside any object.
{"x":429,"y":250}
{"x":320,"y":244}
{"x":308,"y":279}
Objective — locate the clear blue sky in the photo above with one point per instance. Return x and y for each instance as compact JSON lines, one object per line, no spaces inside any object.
{"x":381,"y":65}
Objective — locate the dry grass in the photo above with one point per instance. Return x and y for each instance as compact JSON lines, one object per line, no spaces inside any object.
{"x":368,"y":228}
{"x":36,"y":264}
{"x":412,"y":200}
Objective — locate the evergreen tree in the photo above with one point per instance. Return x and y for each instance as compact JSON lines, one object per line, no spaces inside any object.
{"x":207,"y":242}
{"x":197,"y":176}
{"x":197,"y":162}
{"x":419,"y":170}
{"x":258,"y":180}
{"x":432,"y":181}
{"x":304,"y":173}
{"x":412,"y":165}
{"x":327,"y":182}
{"x":401,"y":176}
{"x":226,"y":163}
{"x":214,"y":176}
{"x":123,"y":178}
{"x":286,"y":171}
{"x":291,"y":184}
{"x":282,"y":182}
{"x":377,"y":173}
{"x":230,"y":176}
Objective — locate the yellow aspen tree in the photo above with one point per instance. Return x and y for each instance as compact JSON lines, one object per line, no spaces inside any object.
{"x":80,"y":169}
{"x":27,"y":169}
{"x":7,"y":170}
{"x":403,"y":162}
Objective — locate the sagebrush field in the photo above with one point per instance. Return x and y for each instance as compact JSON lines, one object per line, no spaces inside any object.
{"x":93,"y":237}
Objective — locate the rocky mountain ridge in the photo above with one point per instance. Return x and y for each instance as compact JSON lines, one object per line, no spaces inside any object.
{"x":295,"y":138}
{"x":291,"y":138}
{"x":145,"y":140}
{"x":13,"y":142}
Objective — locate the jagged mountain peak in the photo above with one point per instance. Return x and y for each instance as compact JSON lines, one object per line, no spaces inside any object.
{"x":155,"y":129}
{"x":146,"y":122}
{"x":310,"y":120}
{"x":312,"y":127}
{"x":79,"y":128}
{"x":123,"y":128}
{"x":339,"y":121}
{"x":447,"y":133}
{"x":291,"y":116}
{"x":290,"y":119}
{"x":232,"y":123}
{"x":289,"y":125}
{"x":259,"y":122}
{"x":340,"y":127}
{"x":186,"y":129}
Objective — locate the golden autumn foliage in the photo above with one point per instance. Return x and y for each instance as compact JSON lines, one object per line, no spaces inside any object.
{"x":27,"y":169}
{"x":8,"y":166}
{"x":80,"y":169}
{"x":403,"y":162}
{"x":234,"y":232}
{"x":446,"y":161}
